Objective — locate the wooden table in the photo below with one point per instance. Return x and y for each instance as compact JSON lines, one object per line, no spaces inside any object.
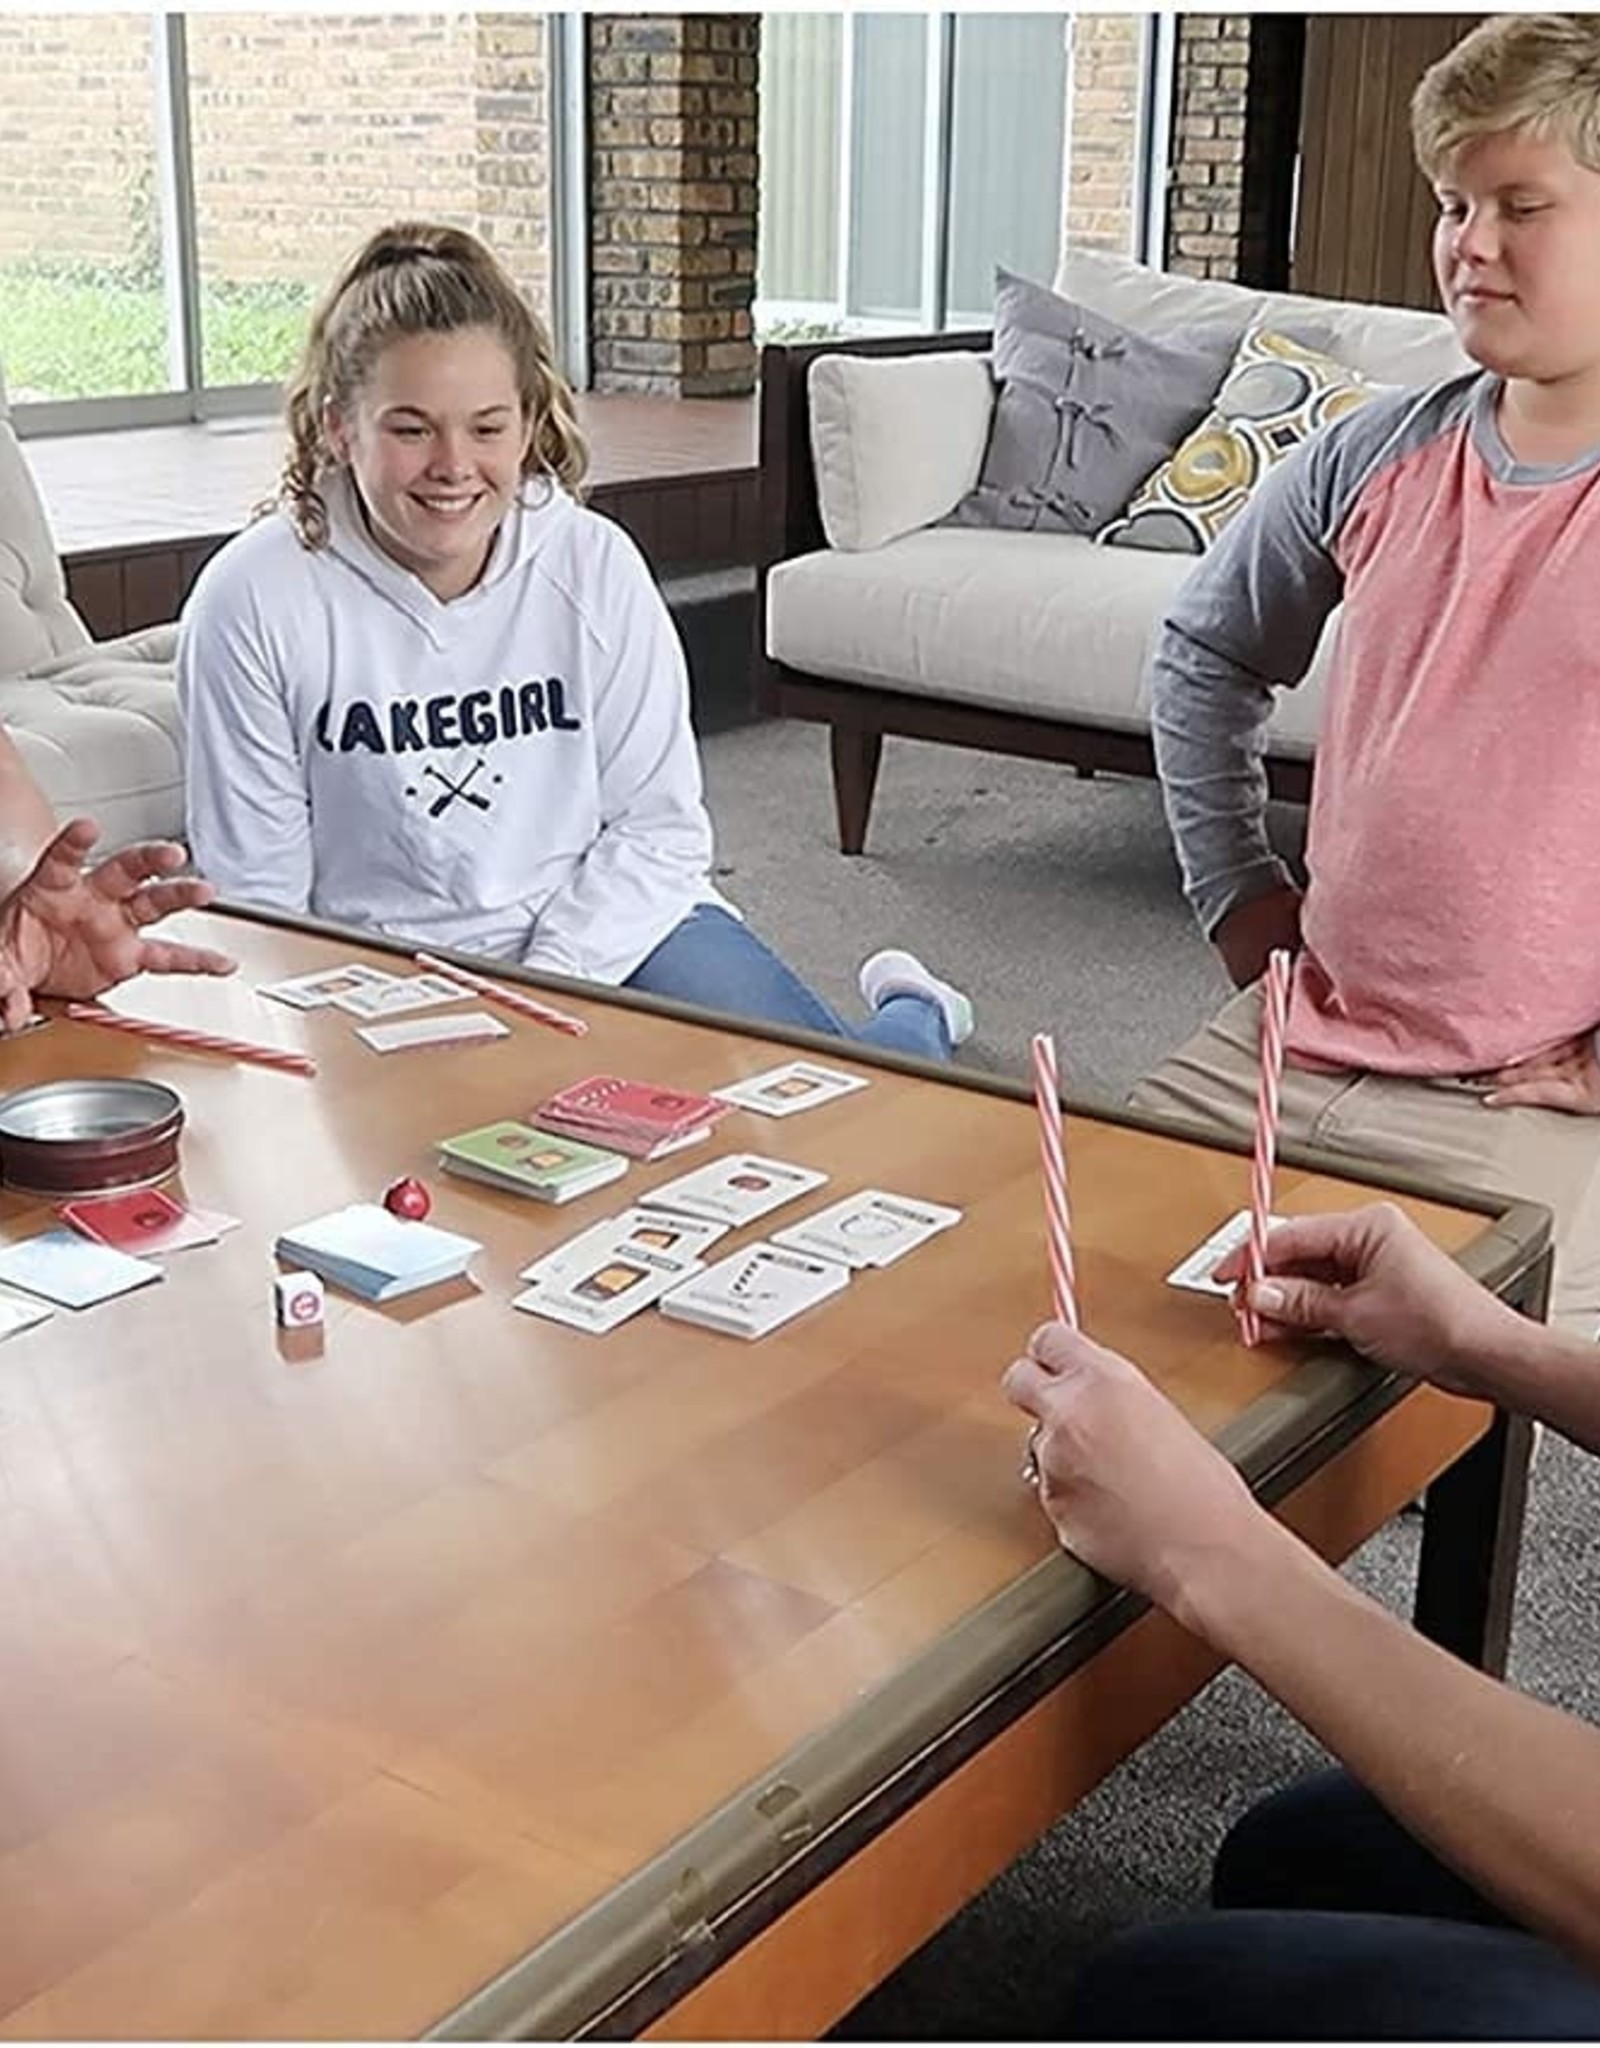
{"x":471,"y":1674}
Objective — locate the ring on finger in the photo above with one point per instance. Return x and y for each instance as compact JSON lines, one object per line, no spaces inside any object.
{"x":1031,"y":1474}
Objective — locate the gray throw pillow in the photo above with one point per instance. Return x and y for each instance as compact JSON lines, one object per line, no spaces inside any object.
{"x":1086,"y":409}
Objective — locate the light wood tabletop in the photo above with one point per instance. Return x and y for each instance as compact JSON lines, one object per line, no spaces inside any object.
{"x":453,"y":1669}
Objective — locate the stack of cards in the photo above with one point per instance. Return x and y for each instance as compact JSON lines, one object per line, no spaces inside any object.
{"x":755,"y":1290}
{"x":61,"y":1266}
{"x":630,"y":1116}
{"x":529,"y":1162}
{"x":608,"y":1274}
{"x":735,"y":1190}
{"x":786,"y":1090}
{"x":371,"y":1253}
{"x":869,"y":1229}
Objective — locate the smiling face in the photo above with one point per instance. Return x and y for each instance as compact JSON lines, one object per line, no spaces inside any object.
{"x":435,"y":439}
{"x":1517,"y":255}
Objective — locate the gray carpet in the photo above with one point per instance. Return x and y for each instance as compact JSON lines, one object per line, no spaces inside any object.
{"x":1055,"y":902}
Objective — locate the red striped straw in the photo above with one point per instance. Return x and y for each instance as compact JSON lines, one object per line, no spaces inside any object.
{"x":193,"y":1041}
{"x":1274,"y":1026}
{"x":1053,"y":1166}
{"x":510,"y":998}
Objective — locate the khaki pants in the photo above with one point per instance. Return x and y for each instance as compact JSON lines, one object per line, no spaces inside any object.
{"x":1438,"y":1130}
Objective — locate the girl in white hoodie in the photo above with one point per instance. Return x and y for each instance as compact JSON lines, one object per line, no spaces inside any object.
{"x":434,"y":694}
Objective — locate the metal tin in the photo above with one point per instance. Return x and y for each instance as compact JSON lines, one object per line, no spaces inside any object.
{"x":83,"y":1137}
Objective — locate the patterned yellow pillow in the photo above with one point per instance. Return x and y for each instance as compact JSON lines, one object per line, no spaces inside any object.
{"x":1277,"y":393}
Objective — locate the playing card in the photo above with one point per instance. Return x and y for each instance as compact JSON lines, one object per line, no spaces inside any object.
{"x":406,"y":1032}
{"x":644,"y":1230}
{"x":393,"y":998}
{"x":735,"y":1190}
{"x":17,"y":1314}
{"x":786,"y":1090}
{"x":311,"y":991}
{"x":72,"y":1270}
{"x":1196,"y":1270}
{"x":142,"y":1220}
{"x":599,"y":1292}
{"x":755,"y":1290}
{"x":869,"y":1229}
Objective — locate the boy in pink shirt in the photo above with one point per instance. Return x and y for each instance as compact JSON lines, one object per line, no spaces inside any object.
{"x":1447,"y":974}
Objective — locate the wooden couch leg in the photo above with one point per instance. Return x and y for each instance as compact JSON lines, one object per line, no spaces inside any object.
{"x":855,"y":776}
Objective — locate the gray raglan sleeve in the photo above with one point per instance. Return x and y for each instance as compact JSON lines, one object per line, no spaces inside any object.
{"x":1244,"y":624}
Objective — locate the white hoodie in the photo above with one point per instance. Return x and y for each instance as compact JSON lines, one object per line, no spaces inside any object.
{"x":512,"y":773}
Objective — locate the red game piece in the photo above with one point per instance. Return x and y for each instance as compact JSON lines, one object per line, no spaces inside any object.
{"x":408,"y":1198}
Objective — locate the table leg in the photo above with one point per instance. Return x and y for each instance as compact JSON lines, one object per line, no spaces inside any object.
{"x":1472,"y":1528}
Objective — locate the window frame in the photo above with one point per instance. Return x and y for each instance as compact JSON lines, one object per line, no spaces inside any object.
{"x":190,"y":400}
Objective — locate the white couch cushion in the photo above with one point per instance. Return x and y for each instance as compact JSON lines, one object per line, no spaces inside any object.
{"x":1042,"y":622}
{"x":36,"y":620}
{"x":897,"y":440}
{"x":1389,"y":344}
{"x":102,"y":739}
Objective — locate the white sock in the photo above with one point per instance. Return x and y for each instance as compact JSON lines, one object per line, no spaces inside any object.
{"x":896,"y":973}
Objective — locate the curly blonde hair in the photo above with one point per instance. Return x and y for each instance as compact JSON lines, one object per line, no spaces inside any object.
{"x":417,"y":277}
{"x":1539,"y":73}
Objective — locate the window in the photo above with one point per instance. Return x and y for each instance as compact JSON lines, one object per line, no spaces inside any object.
{"x":175,"y":190}
{"x":904,"y":155}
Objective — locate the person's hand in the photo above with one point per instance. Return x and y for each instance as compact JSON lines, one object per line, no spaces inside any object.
{"x":1247,"y":935}
{"x":1131,"y":1486}
{"x":1371,"y":1277}
{"x":1567,"y":1077}
{"x":65,"y":931}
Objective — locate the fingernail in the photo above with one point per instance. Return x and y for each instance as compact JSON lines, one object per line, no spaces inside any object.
{"x":1267,"y":1297}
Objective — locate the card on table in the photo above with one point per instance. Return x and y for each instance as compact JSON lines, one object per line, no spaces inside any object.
{"x":636,"y":1117}
{"x":404,"y":1033}
{"x":869,"y":1229}
{"x":17,"y":1314}
{"x":656,"y":1231}
{"x":394,"y":998}
{"x":786,"y":1090}
{"x":755,"y":1290}
{"x":1196,"y":1270}
{"x":72,"y":1270}
{"x":311,"y":991}
{"x":735,"y":1190}
{"x":144,"y":1220}
{"x":599,"y":1292}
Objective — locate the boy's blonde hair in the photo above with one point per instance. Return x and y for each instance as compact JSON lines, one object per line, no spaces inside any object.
{"x":1539,"y":73}
{"x":418,"y":278}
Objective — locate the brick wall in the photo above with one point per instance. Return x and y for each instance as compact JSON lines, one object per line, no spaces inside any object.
{"x":672,"y":108}
{"x":1204,"y":212}
{"x":1102,"y":131}
{"x":1235,"y":130}
{"x":308,"y":131}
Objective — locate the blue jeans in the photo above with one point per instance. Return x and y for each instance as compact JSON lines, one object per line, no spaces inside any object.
{"x":713,"y":958}
{"x":1333,"y":1923}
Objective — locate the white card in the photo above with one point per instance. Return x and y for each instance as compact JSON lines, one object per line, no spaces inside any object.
{"x":393,"y":998}
{"x":649,"y":1230}
{"x":311,"y":991}
{"x":599,"y":1292}
{"x":869,"y":1229}
{"x":73,"y":1270}
{"x":406,"y":1032}
{"x":755,"y":1290}
{"x":1196,"y":1270}
{"x":735,"y":1190}
{"x":17,"y":1314}
{"x":786,"y":1090}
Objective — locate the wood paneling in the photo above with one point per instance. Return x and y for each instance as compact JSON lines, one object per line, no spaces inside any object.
{"x":1365,"y":211}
